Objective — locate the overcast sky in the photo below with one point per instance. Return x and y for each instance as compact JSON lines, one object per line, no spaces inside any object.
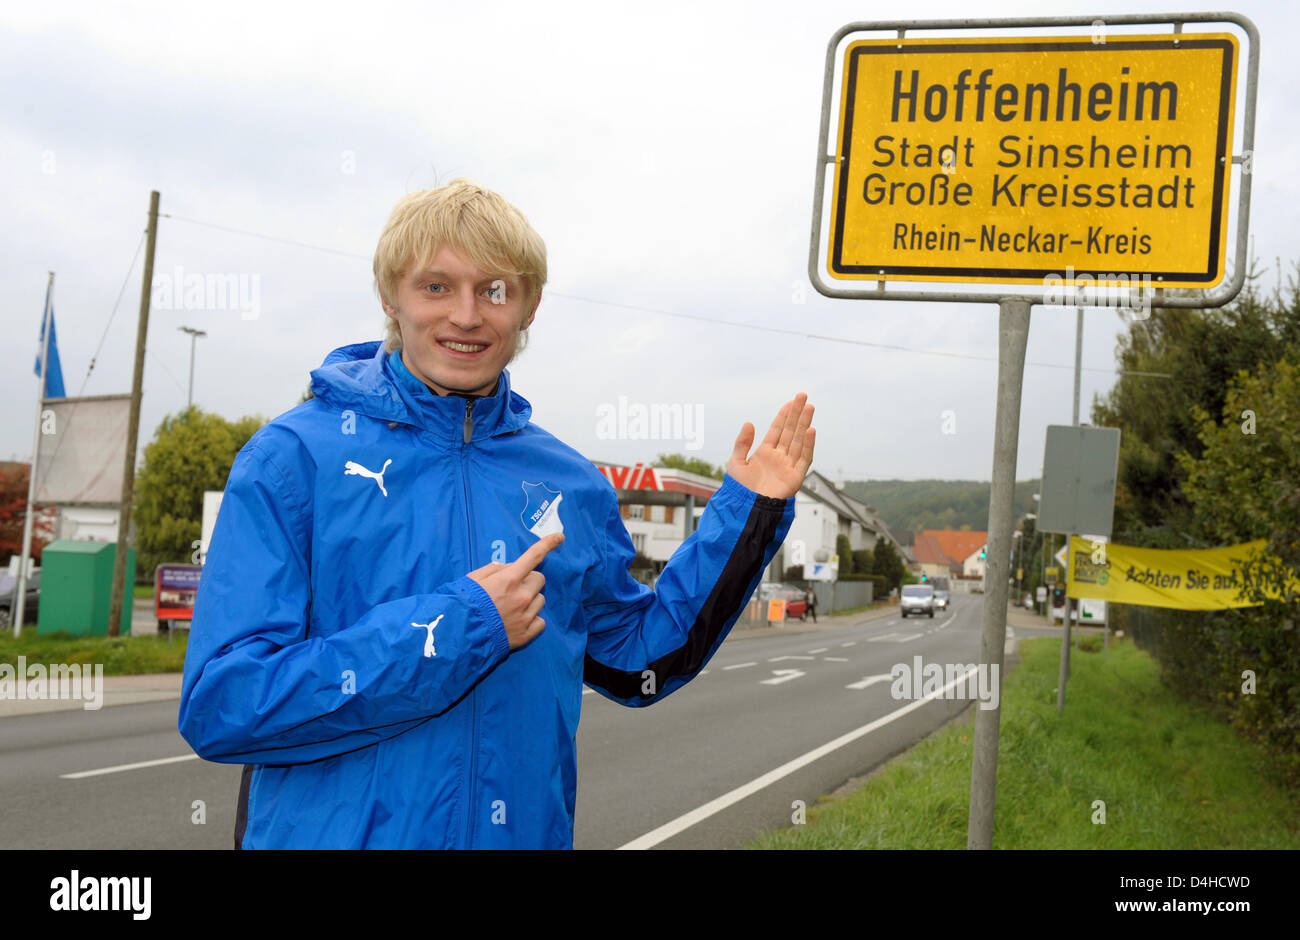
{"x":665,"y":153}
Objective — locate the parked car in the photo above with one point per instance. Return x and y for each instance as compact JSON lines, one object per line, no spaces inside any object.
{"x":795,"y":597}
{"x":31,"y":605}
{"x":917,"y":599}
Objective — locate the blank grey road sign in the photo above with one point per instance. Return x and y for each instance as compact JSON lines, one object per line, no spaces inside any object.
{"x":1079,"y":470}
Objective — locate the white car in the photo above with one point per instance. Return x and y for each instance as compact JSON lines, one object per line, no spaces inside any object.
{"x":917,"y":599}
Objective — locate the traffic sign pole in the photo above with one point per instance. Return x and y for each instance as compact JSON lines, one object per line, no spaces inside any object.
{"x":1071,"y":605}
{"x":1013,"y":335}
{"x":1064,"y":674}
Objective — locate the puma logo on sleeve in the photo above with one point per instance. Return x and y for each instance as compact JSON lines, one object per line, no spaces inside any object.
{"x":352,"y":468}
{"x":428,"y":643}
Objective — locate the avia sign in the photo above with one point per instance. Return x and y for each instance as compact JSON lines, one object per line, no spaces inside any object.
{"x":631,"y":478}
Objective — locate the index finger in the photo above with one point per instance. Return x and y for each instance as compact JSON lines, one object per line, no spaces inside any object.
{"x":537,"y":551}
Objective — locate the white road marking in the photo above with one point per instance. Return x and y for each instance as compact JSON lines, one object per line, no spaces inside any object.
{"x":699,"y":814}
{"x":781,"y":658}
{"x":867,"y":682}
{"x":738,"y":666}
{"x":588,"y":691}
{"x":121,"y":767}
{"x":850,"y":643}
{"x":821,"y":649}
{"x":835,"y":659}
{"x":783,"y":675}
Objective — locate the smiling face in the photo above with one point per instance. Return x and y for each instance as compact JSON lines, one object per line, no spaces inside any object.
{"x":460,"y":325}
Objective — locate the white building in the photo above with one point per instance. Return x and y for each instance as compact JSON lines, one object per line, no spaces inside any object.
{"x":822,"y":513}
{"x":660,"y":506}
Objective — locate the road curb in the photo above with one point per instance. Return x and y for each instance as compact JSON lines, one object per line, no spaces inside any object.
{"x":797,"y":627}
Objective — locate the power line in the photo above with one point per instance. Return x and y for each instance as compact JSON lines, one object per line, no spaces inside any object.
{"x":838,"y":339}
{"x":270,"y":238}
{"x":691,"y":316}
{"x":125,"y":280}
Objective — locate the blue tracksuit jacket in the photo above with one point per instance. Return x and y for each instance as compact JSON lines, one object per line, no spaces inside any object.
{"x":339,"y":651}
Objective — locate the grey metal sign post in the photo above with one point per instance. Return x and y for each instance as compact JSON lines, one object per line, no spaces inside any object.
{"x":1013,"y":306}
{"x":1080,"y":469}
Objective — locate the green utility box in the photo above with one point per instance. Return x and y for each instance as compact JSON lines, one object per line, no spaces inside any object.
{"x":77,"y":588}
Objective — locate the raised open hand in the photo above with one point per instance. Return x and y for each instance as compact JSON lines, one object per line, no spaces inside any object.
{"x":780,"y":463}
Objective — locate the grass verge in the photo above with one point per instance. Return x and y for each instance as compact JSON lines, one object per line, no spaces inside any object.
{"x":1170,"y":775}
{"x":121,"y":656}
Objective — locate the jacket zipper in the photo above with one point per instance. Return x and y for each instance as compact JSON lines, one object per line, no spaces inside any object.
{"x":471,"y":808}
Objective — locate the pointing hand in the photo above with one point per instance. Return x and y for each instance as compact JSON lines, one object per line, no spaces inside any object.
{"x":516,"y":589}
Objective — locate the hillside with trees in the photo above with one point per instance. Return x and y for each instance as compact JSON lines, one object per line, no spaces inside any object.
{"x":914,"y":505}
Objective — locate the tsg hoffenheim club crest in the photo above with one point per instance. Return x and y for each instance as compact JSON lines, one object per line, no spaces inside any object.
{"x":541,"y":515}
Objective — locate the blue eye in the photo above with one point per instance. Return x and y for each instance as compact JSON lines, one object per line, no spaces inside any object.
{"x":431,"y":286}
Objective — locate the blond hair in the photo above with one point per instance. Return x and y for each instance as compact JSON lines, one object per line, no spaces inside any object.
{"x":475,"y":221}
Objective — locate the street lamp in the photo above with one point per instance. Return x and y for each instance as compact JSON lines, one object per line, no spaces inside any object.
{"x":194,"y":335}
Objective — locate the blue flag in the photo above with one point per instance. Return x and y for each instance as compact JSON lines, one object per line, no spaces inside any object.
{"x":54,"y":382}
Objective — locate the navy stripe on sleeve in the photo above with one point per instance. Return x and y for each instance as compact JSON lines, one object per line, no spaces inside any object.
{"x":724,"y":601}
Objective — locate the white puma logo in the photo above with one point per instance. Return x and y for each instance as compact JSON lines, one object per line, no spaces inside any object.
{"x":428,"y":644}
{"x":352,"y":468}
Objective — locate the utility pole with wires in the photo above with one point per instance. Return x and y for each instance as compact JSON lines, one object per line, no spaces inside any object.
{"x":133,"y":428}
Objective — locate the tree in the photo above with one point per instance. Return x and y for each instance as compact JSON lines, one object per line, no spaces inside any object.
{"x":864,"y":561}
{"x":1029,"y":550}
{"x":191,"y":452}
{"x":640,"y":562}
{"x":1202,"y":352}
{"x":13,"y":514}
{"x":1186,"y":481}
{"x":888,"y":564}
{"x":844,"y":549}
{"x":1246,"y":486}
{"x":690,"y":465}
{"x":1246,"y":483}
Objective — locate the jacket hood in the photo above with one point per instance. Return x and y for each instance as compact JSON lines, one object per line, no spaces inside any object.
{"x":363,"y":378}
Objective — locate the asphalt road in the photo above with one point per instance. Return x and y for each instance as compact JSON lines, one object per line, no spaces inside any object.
{"x":764,"y":701}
